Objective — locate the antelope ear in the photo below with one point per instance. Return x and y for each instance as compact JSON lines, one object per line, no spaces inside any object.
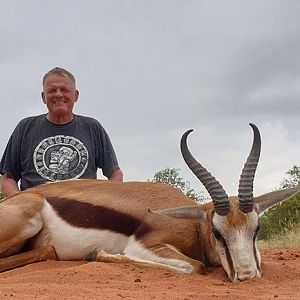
{"x":267,"y":200}
{"x":183,"y":212}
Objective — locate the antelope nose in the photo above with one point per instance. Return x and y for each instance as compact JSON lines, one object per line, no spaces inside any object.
{"x":243,"y":275}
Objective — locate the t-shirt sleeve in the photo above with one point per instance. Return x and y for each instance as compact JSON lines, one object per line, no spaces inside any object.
{"x":106,"y":157}
{"x":10,"y":162}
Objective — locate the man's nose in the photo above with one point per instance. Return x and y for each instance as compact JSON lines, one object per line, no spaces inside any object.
{"x":58,"y":94}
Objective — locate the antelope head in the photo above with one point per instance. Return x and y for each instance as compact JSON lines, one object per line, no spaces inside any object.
{"x":233,"y":222}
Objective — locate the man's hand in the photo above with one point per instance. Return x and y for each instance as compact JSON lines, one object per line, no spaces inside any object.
{"x":9,"y":186}
{"x":116,"y":175}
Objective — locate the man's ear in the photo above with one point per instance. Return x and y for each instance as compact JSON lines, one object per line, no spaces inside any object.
{"x":76,"y":95}
{"x":43,"y":97}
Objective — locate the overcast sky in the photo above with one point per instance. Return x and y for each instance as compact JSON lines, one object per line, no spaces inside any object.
{"x":150,"y":70}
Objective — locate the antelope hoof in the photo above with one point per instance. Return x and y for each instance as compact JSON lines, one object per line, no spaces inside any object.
{"x":92,"y":256}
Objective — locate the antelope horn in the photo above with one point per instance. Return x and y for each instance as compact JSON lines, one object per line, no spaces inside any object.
{"x":214,"y":188}
{"x":245,"y":192}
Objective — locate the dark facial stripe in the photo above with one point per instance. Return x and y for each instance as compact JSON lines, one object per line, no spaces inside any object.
{"x":254,"y":250}
{"x":86,"y":215}
{"x":229,"y":259}
{"x":255,"y":256}
{"x":221,"y":239}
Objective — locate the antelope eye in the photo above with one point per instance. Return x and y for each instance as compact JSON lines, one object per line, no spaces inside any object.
{"x":256,"y":231}
{"x":257,"y":228}
{"x":216,"y":233}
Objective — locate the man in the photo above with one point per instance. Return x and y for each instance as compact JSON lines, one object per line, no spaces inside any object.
{"x":58,"y":145}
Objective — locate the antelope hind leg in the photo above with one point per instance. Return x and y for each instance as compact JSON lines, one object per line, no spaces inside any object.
{"x":20,"y":220}
{"x":20,"y":260}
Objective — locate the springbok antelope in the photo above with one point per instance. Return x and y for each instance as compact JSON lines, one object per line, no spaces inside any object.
{"x":147,"y":224}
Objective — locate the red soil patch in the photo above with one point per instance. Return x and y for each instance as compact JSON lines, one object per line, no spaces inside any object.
{"x":96,"y":280}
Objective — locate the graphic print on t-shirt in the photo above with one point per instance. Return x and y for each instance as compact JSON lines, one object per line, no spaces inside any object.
{"x":60,"y":157}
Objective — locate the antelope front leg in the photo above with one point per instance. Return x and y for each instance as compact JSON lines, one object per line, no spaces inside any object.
{"x":164,"y":258}
{"x":102,"y":256}
{"x":20,"y":260}
{"x":169,"y":252}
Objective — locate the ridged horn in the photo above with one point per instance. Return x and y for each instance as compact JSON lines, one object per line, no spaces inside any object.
{"x":214,"y":188}
{"x":245,"y":192}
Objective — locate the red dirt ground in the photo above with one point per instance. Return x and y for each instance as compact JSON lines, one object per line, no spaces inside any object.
{"x":96,"y":280}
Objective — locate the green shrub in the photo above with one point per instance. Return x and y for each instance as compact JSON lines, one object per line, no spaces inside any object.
{"x":171,"y":176}
{"x":287,"y":239}
{"x":280,"y":219}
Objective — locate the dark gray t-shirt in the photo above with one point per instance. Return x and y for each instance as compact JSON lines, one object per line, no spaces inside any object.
{"x":39,"y":151}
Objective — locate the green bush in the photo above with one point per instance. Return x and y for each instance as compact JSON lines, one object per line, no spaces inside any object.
{"x":292,"y":179}
{"x":280,"y":219}
{"x":171,"y":176}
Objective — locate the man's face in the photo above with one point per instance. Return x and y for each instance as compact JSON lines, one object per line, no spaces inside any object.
{"x":59,"y":95}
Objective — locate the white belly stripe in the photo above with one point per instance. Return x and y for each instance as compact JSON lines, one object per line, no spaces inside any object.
{"x":74,"y":243}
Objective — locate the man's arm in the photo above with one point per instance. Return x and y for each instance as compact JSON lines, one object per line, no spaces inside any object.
{"x":116,"y":175}
{"x":8,"y":185}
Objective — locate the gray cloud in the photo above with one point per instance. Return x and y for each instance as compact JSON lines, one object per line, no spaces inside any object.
{"x":149,"y":70}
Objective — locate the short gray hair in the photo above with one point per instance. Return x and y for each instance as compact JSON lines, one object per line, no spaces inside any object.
{"x":61,"y":72}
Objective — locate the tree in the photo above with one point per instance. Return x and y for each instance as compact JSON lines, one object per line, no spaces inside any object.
{"x":171,"y":176}
{"x":292,"y":179}
{"x":282,"y":218}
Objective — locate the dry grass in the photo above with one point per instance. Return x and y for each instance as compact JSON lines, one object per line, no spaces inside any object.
{"x":290,"y":238}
